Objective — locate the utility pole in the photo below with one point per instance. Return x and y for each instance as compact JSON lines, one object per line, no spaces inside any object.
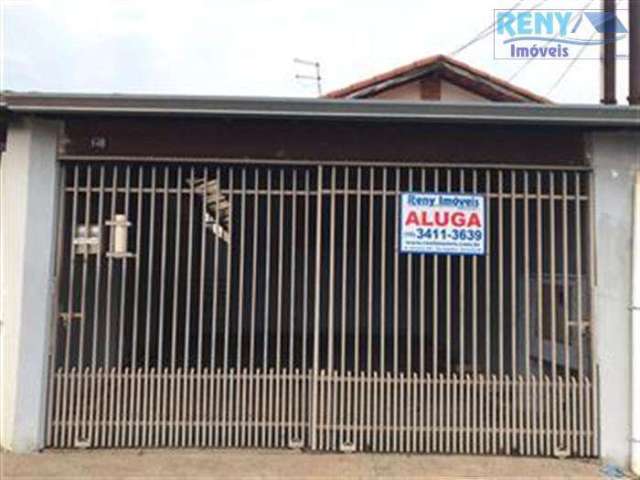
{"x":609,"y":53}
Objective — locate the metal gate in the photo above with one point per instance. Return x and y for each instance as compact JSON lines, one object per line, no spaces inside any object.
{"x":263,"y":304}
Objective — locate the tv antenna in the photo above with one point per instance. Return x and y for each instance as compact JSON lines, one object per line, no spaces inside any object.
{"x":312,"y":64}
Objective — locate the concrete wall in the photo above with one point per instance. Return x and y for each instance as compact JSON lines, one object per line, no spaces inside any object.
{"x":616,"y":156}
{"x":27,"y":216}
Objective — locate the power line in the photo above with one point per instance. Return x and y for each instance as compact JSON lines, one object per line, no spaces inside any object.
{"x":485,"y":32}
{"x":531,"y":59}
{"x":573,"y":62}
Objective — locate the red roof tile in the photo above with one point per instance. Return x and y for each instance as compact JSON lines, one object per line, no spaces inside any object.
{"x":475,"y":80}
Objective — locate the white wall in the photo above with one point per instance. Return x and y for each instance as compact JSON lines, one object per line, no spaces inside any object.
{"x":616,"y":157}
{"x":27,"y":217}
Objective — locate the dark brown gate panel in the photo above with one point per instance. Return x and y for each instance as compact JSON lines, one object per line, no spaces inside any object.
{"x":268,"y":305}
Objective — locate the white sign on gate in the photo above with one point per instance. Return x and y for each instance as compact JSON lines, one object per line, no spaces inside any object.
{"x":442,"y":223}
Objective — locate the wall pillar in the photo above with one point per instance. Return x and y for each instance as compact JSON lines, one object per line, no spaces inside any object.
{"x":28,"y":183}
{"x":616,"y":157}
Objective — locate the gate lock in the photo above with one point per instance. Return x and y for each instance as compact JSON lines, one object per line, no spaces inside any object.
{"x":119,"y":238}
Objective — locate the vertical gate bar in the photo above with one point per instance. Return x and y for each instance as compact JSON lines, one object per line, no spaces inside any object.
{"x":305,"y":304}
{"x":442,"y":427}
{"x":231,"y":411}
{"x":163,"y":267}
{"x":107,"y":351}
{"x":396,"y":316}
{"x":111,"y":419}
{"x":279,"y":305}
{"x":438,"y":410}
{"x":240,"y":321}
{"x":428,"y":427}
{"x":227,"y":308}
{"x":244,"y":418}
{"x":552,"y":262}
{"x":125,"y":416}
{"x":483,"y":420}
{"x":331,"y":390}
{"x":489,"y":420}
{"x":574,"y":419}
{"x":72,"y":263}
{"x":448,"y":419}
{"x":370,"y":303}
{"x":321,"y":418}
{"x":579,"y":313}
{"x":136,"y":299}
{"x":512,"y":438}
{"x":214,"y":318}
{"x":589,"y":431}
{"x":96,"y":313}
{"x":595,"y":380}
{"x":565,"y":298}
{"x":375,"y":425}
{"x":173,"y":387}
{"x":469,"y":429}
{"x":54,"y":385}
{"x":409,"y":312}
{"x":461,"y":340}
{"x":362,"y":420}
{"x":217,"y":420}
{"x":436,"y":175}
{"x":149,"y":288}
{"x":98,"y":419}
{"x":187,"y":394}
{"x":201,"y":395}
{"x":383,"y":274}
{"x":254,"y":269}
{"x":501,"y":420}
{"x":192,"y":417}
{"x":252,"y":329}
{"x":474,"y":331}
{"x":343,"y":301}
{"x":527,"y":354}
{"x":163,"y":264}
{"x":539,"y":309}
{"x":316,"y":320}
{"x":267,"y":297}
{"x":332,"y":231}
{"x":81,"y":408}
{"x":74,"y":403}
{"x":488,"y":261}
{"x":69,"y":319}
{"x":137,"y":417}
{"x":356,"y":314}
{"x":423,"y":334}
{"x":400,"y":426}
{"x":120,"y":394}
{"x":292,"y":299}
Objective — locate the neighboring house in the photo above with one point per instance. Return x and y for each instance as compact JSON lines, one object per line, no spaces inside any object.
{"x":437,"y":78}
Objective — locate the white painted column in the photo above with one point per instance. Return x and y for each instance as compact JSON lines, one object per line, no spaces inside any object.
{"x":616,"y":157}
{"x":28,"y":179}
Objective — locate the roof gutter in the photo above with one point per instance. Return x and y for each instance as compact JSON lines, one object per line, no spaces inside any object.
{"x":305,"y":108}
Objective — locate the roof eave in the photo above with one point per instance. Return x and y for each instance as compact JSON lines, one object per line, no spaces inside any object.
{"x":306,"y":108}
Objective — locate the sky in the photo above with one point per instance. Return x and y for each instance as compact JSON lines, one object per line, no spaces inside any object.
{"x":247,"y":47}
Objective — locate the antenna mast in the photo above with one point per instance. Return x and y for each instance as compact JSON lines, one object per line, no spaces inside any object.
{"x":313,"y":64}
